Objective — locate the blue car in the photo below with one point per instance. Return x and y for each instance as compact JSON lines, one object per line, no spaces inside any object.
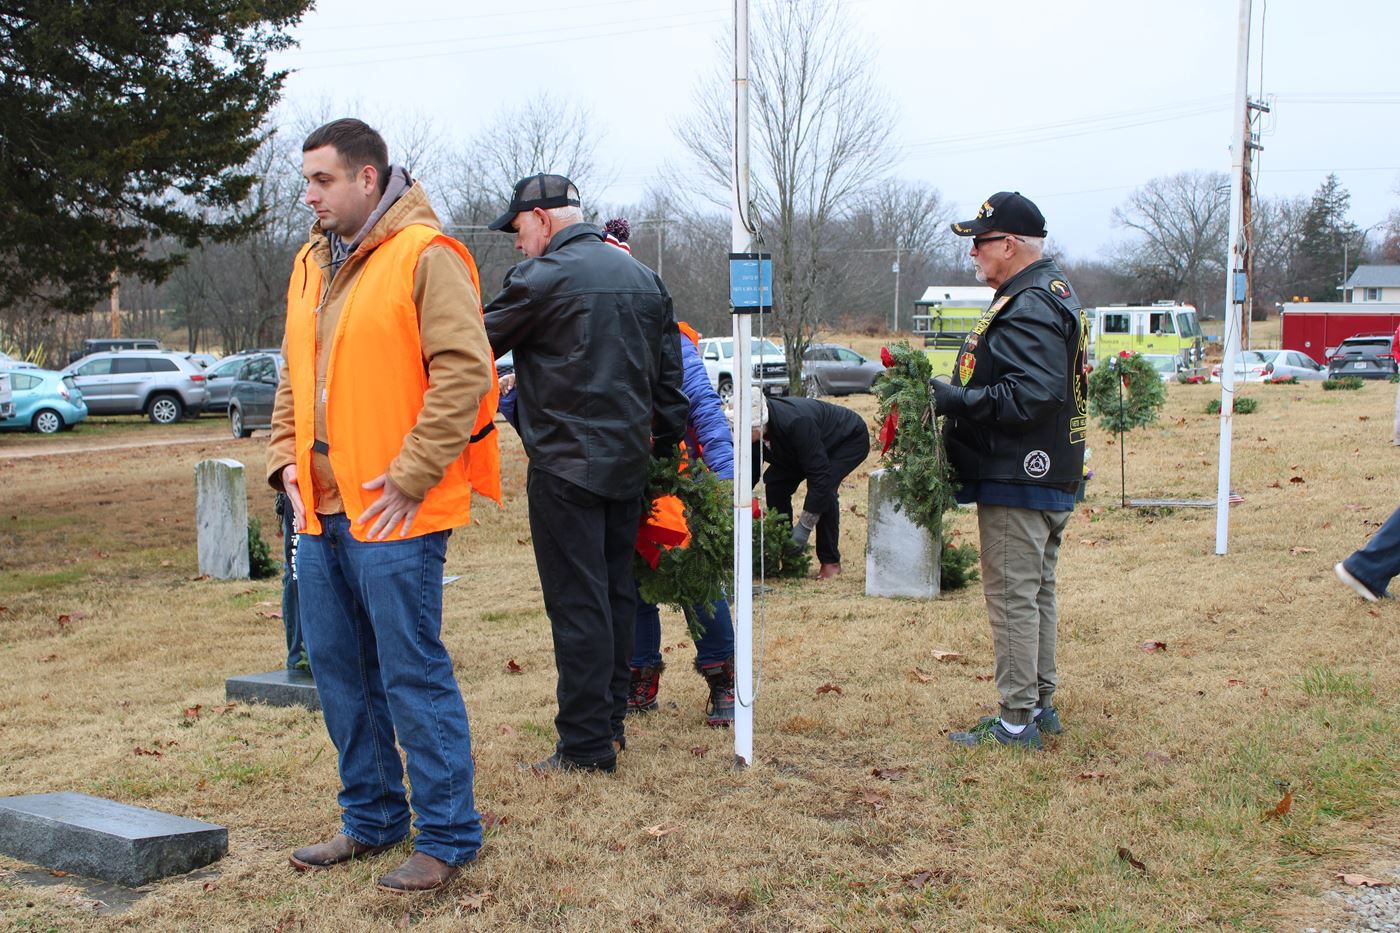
{"x":45,"y":401}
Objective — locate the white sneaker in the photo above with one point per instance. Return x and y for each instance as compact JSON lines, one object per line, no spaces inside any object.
{"x":1362,"y":589}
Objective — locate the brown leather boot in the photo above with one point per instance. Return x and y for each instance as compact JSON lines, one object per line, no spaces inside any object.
{"x":828,"y":571}
{"x":418,"y":874}
{"x":340,"y":848}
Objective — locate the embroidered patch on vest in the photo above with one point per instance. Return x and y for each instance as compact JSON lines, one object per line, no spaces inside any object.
{"x":966,"y":364}
{"x":1059,"y":288}
{"x":1036,"y":464}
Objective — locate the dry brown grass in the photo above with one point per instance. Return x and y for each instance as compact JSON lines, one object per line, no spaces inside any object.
{"x":1272,"y":674}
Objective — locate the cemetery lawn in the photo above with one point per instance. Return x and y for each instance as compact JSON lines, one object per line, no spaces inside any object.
{"x":1160,"y":808}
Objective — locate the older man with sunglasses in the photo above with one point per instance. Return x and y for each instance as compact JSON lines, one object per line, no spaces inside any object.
{"x":1015,"y":430}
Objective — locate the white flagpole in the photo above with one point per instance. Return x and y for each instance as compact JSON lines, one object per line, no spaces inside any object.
{"x":1234,"y":263}
{"x":741,"y":242}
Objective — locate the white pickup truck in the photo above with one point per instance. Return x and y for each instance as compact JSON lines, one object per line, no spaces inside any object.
{"x":769,"y":366}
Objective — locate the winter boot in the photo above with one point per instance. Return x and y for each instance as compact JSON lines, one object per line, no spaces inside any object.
{"x":646,"y":681}
{"x":719,"y":711}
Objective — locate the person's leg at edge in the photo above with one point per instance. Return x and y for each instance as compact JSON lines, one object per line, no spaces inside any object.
{"x":344,"y":655}
{"x":622,"y":516}
{"x":1379,"y":561}
{"x":400,"y":582}
{"x":567,"y":529}
{"x":845,"y":457}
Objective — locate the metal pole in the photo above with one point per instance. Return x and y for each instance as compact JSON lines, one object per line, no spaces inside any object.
{"x":1122,"y":447}
{"x":741,"y":242}
{"x":894,"y":318}
{"x":1233,"y":264}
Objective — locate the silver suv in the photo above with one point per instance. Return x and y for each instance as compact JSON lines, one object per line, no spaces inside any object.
{"x":161,"y":384}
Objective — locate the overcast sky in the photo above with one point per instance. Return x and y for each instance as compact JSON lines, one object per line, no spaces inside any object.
{"x":1073,"y":103}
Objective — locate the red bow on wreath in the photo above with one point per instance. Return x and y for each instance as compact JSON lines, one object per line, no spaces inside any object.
{"x":886,"y":358}
{"x":887,"y":430}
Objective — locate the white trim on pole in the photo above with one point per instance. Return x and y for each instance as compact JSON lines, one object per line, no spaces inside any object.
{"x":1234,"y":264}
{"x":741,"y":242}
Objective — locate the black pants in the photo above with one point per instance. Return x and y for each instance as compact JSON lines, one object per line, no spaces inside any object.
{"x":583,"y":551}
{"x":844,"y":457}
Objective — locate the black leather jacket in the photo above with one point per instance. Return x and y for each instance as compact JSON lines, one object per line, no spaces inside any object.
{"x":1018,"y":408}
{"x":598,"y":360}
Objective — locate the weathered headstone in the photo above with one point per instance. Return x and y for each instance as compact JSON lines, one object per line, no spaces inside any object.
{"x":221,"y":515}
{"x":104,"y":839}
{"x":901,"y":559}
{"x":275,"y":688}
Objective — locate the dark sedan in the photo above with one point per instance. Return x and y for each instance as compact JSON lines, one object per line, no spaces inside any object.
{"x":253,"y":391}
{"x":831,"y":369}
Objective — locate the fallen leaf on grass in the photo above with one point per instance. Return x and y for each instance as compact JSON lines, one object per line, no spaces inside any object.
{"x":1280,"y":811}
{"x":1296,"y":479}
{"x":474,"y":901}
{"x":48,"y":658}
{"x":269,"y":614}
{"x":889,"y":774}
{"x":138,"y":750}
{"x":1360,"y":881}
{"x":829,"y":688}
{"x":1089,"y":542}
{"x":1295,"y":551}
{"x":58,"y":873}
{"x":1092,"y":776}
{"x":661,"y":830}
{"x":1358,"y":508}
{"x":919,"y":676}
{"x":197,"y":577}
{"x":513,"y":668}
{"x":1364,"y":418}
{"x":491,"y":820}
{"x":1151,"y":646}
{"x":1127,"y":856}
{"x":1158,"y":758}
{"x":947,"y":655}
{"x":209,"y":886}
{"x":700,"y":751}
{"x":983,"y":677}
{"x":522,"y":540}
{"x":873,"y":799}
{"x":220,"y":710}
{"x":65,"y":618}
{"x":506,"y":728}
{"x":1234,"y":682}
{"x":1276,"y":485}
{"x":922,"y":878}
{"x":192,"y":712}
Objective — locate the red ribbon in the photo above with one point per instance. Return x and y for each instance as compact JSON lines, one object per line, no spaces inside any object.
{"x":886,"y":358}
{"x":887,"y":430}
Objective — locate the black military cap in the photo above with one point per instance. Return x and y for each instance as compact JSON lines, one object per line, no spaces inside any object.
{"x":1007,"y":211}
{"x":544,"y":191}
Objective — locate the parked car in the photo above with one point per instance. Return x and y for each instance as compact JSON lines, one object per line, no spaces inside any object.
{"x":9,"y":362}
{"x":831,"y":369}
{"x":219,"y":378}
{"x":1248,"y":368}
{"x":1168,"y":365}
{"x":160,"y":384}
{"x":1291,"y":364}
{"x":1366,"y":356}
{"x":252,"y":394}
{"x":107,"y":344}
{"x":769,"y":365}
{"x":7,"y":398}
{"x":44,"y":400}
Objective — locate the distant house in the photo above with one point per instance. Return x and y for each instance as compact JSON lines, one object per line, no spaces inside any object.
{"x":1373,"y":283}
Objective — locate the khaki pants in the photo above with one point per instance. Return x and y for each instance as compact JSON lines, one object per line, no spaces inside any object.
{"x":1019,"y":550}
{"x":1396,"y":439}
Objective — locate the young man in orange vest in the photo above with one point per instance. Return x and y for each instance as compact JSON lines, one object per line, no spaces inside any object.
{"x":382,"y":429}
{"x":599,"y":359}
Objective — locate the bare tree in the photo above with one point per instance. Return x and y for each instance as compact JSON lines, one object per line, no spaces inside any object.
{"x":820,"y":140}
{"x":1278,"y":233}
{"x":1181,"y":222}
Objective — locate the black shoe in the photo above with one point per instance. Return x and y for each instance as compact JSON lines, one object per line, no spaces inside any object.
{"x":990,"y":731}
{"x":557,"y":762}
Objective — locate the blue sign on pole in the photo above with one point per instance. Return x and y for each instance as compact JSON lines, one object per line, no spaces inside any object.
{"x":751,"y":282}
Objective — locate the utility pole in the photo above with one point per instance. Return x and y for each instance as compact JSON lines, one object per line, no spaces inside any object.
{"x":1234,"y":270}
{"x":1251,"y":145}
{"x":116,"y":305}
{"x":894,"y":318}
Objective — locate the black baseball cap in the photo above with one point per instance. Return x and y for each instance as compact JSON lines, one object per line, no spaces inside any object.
{"x":1007,"y":211}
{"x":534,"y":191}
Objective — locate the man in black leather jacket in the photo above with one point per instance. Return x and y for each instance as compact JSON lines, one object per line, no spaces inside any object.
{"x":599,"y":364}
{"x":1015,"y":431}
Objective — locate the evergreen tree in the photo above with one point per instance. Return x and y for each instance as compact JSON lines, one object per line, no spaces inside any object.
{"x":123,"y":122}
{"x":1328,"y":243}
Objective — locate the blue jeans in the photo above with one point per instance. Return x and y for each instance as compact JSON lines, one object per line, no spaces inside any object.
{"x":371,"y":614}
{"x":1379,"y":560}
{"x":717,"y":644}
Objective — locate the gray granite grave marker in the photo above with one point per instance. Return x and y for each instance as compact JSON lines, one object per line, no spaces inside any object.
{"x":901,"y":559}
{"x":275,"y":688}
{"x":221,"y":514}
{"x":104,"y":839}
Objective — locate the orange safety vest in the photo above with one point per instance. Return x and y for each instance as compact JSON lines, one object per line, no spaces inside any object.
{"x":367,"y":418}
{"x":665,"y":527}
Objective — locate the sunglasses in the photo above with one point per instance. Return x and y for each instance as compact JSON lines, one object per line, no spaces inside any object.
{"x":980,"y":241}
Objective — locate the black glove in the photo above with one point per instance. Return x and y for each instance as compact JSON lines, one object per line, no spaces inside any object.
{"x":947,"y":398}
{"x":664,"y":449}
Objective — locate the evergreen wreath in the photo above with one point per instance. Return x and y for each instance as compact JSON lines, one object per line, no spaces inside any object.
{"x":1143,"y":393}
{"x":911,"y":439}
{"x":701,"y":572}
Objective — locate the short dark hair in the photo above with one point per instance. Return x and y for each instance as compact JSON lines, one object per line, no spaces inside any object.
{"x":356,"y":142}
